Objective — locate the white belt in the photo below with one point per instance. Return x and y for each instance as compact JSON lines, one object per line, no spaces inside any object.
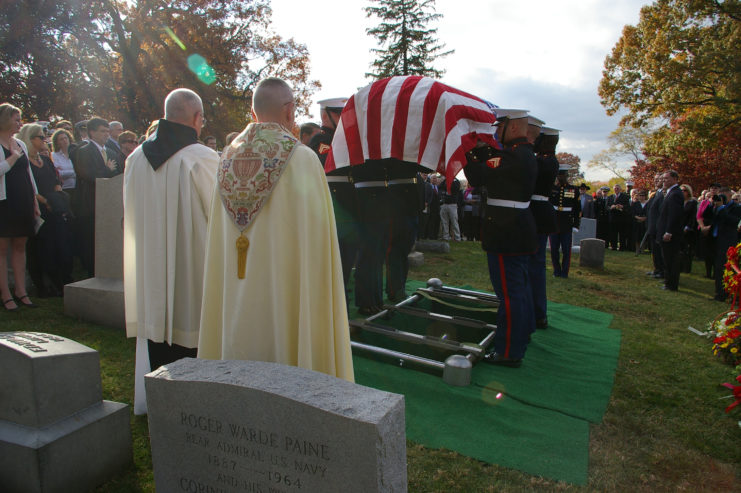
{"x":338,"y":179}
{"x":562,"y":209}
{"x":541,"y":198}
{"x":508,"y":203}
{"x":402,"y":181}
{"x":368,"y":184}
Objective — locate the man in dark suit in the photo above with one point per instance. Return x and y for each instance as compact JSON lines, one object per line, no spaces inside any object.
{"x":652,"y":217}
{"x":91,"y":161}
{"x":669,"y":229}
{"x":112,"y":146}
{"x":726,"y":218}
{"x":602,"y":214}
{"x":619,"y":207}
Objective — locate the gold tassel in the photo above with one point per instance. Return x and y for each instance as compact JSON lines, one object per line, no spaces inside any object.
{"x":242,"y":245}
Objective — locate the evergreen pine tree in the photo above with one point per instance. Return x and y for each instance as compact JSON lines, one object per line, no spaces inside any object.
{"x":408,"y":46}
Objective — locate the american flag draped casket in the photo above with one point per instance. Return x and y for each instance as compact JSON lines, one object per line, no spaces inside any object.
{"x":413,"y":119}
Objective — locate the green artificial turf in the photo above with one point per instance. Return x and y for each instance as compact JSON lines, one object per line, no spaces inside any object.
{"x":534,"y":418}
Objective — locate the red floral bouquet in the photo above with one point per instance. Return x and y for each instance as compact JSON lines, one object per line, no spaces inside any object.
{"x":727,"y":340}
{"x":732,"y":275}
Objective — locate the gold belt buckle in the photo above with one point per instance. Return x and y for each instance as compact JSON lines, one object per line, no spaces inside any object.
{"x":560,"y":208}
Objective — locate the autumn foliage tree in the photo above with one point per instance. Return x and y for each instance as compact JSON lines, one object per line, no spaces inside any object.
{"x":677,"y":75}
{"x":119,"y":58}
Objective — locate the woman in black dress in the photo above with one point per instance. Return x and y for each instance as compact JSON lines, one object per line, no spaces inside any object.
{"x":49,"y":252}
{"x":18,"y":208}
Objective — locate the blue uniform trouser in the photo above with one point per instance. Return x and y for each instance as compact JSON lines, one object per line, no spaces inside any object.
{"x":373,"y":237}
{"x":536,"y":266}
{"x":403,"y":231}
{"x":561,"y":241}
{"x":515,"y":318}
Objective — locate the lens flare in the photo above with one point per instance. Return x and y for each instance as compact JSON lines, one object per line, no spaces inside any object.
{"x":174,"y":37}
{"x":198,"y":65}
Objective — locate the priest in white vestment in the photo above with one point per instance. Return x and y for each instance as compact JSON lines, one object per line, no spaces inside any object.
{"x":273,"y":287}
{"x":168,"y":185}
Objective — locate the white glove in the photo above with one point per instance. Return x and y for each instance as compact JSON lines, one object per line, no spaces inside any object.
{"x":575,"y":230}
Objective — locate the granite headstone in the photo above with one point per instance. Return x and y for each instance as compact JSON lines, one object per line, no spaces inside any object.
{"x":223,"y":426}
{"x":587,"y":229}
{"x":56,"y":432}
{"x":101,"y":299}
{"x":592,"y":253}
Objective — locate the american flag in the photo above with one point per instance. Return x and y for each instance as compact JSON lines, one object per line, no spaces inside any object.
{"x":414,"y":119}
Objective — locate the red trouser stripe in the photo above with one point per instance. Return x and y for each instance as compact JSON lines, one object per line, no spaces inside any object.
{"x":507,"y":309}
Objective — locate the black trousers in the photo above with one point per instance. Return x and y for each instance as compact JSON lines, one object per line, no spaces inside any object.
{"x":656,"y":254}
{"x":620,"y":234}
{"x":161,"y":353}
{"x":670,"y":251}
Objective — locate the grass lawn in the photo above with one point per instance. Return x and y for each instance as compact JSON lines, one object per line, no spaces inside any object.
{"x":665,"y":428}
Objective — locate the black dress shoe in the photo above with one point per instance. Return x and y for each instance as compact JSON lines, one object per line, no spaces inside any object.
{"x":498,"y":359}
{"x":541,"y":323}
{"x":28,"y":303}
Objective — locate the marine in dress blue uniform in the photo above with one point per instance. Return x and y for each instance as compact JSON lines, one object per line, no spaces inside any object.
{"x":340,"y":186}
{"x":565,"y":201}
{"x":508,"y":231}
{"x":545,"y":217}
{"x":404,"y":206}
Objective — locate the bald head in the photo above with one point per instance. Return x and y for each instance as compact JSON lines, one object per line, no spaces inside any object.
{"x":185,"y":107}
{"x":272,"y":101}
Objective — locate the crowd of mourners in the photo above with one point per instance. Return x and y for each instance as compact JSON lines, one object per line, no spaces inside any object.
{"x":630,"y":221}
{"x":47,"y":198}
{"x":57,"y":165}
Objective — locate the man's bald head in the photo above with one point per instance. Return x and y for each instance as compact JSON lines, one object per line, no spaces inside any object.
{"x":185,"y":107}
{"x":273,"y":101}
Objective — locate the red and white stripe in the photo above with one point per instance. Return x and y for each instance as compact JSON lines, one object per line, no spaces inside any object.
{"x":411,"y":118}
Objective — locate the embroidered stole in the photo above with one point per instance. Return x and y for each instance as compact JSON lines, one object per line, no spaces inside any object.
{"x":249,"y":170}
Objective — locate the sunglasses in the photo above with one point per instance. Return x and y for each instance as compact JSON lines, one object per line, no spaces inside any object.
{"x":38,"y":137}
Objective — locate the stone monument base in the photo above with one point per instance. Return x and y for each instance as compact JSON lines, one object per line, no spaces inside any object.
{"x":97,"y":300}
{"x":74,"y":454}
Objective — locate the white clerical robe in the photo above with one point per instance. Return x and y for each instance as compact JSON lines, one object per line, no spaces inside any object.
{"x":165,"y":223}
{"x":290,"y":307}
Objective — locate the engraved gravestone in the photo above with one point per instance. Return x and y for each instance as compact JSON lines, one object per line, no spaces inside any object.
{"x":248,"y":426}
{"x":56,"y":432}
{"x":587,"y":229}
{"x":100,"y":299}
{"x":592,"y":253}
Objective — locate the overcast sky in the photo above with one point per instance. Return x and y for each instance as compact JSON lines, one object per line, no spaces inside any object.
{"x":545,"y":56}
